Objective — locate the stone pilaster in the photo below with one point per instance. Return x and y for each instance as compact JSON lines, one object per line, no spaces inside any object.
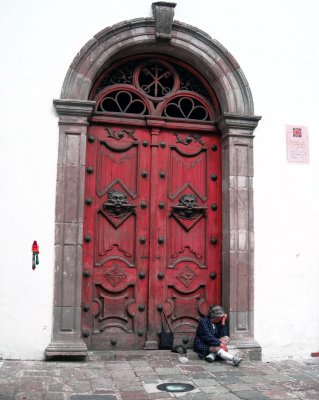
{"x":238,"y":229}
{"x":66,"y":336}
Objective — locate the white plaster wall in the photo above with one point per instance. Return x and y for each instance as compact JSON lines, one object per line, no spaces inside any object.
{"x":275,"y":43}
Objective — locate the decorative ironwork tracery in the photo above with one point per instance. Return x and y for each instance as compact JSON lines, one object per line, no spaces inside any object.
{"x":156,"y":79}
{"x":190,"y":82}
{"x":154,"y":87}
{"x":121,"y":75}
{"x":122,"y":101}
{"x":186,"y":107}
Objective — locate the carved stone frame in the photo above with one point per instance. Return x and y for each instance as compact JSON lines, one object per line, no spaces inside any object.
{"x":236,"y":123}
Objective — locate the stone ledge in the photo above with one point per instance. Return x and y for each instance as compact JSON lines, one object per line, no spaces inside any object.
{"x":82,"y":108}
{"x":249,"y":350}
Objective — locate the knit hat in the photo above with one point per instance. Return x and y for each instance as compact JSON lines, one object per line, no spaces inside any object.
{"x":215,"y":311}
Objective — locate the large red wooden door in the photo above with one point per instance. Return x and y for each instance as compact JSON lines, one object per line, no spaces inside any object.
{"x":152,"y":233}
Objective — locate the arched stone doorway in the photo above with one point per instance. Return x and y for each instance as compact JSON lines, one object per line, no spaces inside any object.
{"x":235,"y":121}
{"x":152,"y":215}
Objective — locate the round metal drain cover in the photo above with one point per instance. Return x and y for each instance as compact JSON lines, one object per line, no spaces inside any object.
{"x":175,"y":387}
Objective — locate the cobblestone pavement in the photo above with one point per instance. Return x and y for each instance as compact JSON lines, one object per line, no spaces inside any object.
{"x":135,"y":376}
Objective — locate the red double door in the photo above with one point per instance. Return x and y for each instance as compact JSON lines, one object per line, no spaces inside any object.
{"x":152,"y":234}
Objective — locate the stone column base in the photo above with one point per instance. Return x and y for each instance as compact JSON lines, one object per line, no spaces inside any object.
{"x":151,"y":345}
{"x":249,"y":349}
{"x":73,"y":349}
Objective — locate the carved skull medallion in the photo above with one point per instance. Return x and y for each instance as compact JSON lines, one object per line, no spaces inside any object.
{"x":188,"y":200}
{"x":116,"y":203}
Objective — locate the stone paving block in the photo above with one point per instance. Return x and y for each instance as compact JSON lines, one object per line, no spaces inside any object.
{"x":118,"y":365}
{"x":253,"y":379}
{"x":130,"y":388}
{"x":26,"y":379}
{"x":234,"y":372}
{"x":302,"y":377}
{"x":205,"y":382}
{"x":119,"y":374}
{"x":143,"y":368}
{"x":93,"y":397}
{"x":55,"y":396}
{"x":192,"y":368}
{"x":101,"y":382}
{"x":138,"y":395}
{"x":122,"y":381}
{"x":174,"y":378}
{"x":139,"y":363}
{"x":201,"y":375}
{"x":159,"y":396}
{"x":301,"y":385}
{"x":165,"y":371}
{"x":279,"y":394}
{"x":68,"y":375}
{"x":224,"y":396}
{"x":30,"y":386}
{"x":104,"y":391}
{"x":55,"y":387}
{"x":279,"y":378}
{"x":258,"y":369}
{"x":4,"y":379}
{"x":239,"y":387}
{"x":214,"y":390}
{"x":226,"y":380}
{"x":252,"y":395}
{"x":28,"y":396}
{"x":152,"y":379}
{"x":141,"y":372}
{"x":195,"y":396}
{"x":36,"y":373}
{"x":219,"y":374}
{"x":79,"y":387}
{"x":309,"y":395}
{"x":216,"y":367}
{"x":314,"y":374}
{"x":6,"y":389}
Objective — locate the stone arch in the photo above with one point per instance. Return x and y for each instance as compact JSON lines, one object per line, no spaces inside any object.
{"x":236,"y":124}
{"x":187,"y":43}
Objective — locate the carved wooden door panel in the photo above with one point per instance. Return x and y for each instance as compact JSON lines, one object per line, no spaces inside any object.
{"x":185,"y":272}
{"x":116,"y":238}
{"x":152,"y":234}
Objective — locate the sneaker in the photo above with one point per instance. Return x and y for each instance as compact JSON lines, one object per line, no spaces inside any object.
{"x":236,"y":360}
{"x":210,"y":358}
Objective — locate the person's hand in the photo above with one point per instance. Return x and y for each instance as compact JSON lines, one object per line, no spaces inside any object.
{"x":225,"y":316}
{"x":224,"y":339}
{"x":223,"y":346}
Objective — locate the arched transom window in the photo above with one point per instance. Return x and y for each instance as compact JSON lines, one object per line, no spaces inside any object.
{"x":154,"y":87}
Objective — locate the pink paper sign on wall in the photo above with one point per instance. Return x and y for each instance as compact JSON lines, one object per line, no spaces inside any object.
{"x":297,"y":144}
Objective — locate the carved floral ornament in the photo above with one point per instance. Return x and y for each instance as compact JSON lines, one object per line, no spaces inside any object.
{"x":154,"y":87}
